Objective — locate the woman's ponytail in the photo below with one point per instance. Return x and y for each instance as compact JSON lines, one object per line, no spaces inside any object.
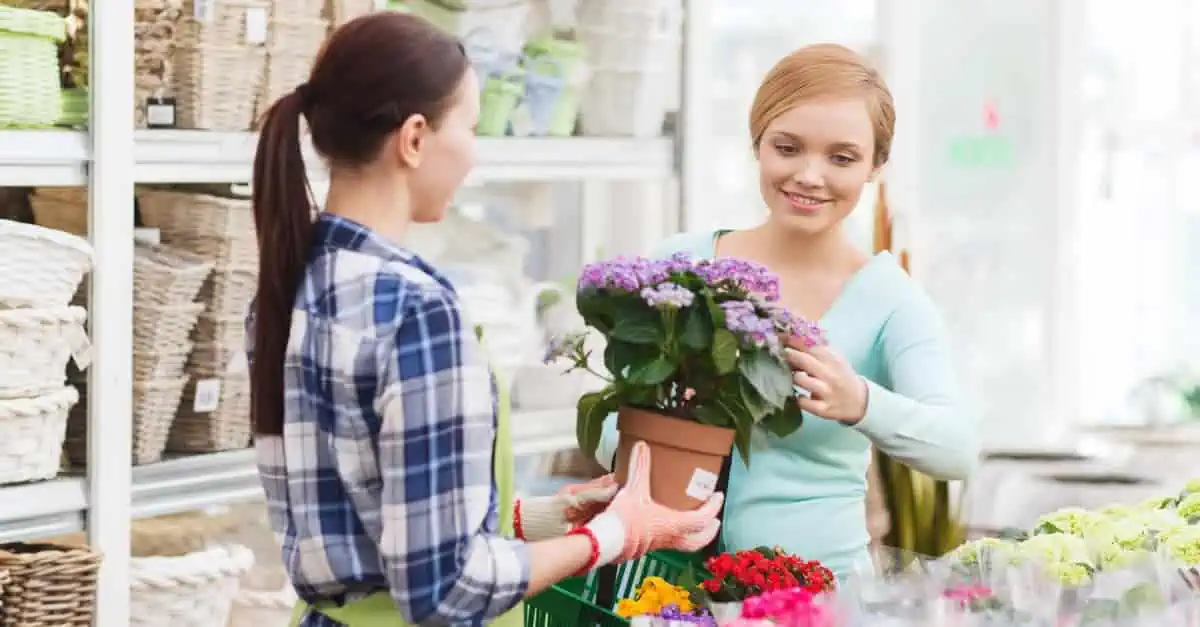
{"x":283,"y":219}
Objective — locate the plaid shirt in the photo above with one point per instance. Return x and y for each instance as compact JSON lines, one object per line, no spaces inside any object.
{"x":383,"y":478}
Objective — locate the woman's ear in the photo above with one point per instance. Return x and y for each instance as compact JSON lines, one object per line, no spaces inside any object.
{"x":875,"y":173}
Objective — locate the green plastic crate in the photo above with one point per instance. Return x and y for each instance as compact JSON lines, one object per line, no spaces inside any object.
{"x":573,"y":602}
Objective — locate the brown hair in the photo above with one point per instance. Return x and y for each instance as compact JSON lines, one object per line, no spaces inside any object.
{"x":372,"y":75}
{"x":823,"y":70}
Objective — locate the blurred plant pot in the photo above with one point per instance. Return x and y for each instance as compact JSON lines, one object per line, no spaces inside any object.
{"x":686,"y":456}
{"x":726,"y":612}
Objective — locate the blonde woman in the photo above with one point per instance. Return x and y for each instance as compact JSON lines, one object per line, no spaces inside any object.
{"x":821,"y":127}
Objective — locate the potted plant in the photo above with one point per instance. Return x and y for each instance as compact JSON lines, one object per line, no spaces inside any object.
{"x":736,"y":577}
{"x":694,"y":354}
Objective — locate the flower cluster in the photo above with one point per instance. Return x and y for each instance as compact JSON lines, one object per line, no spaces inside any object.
{"x":790,"y":607}
{"x":746,"y":574}
{"x":1072,"y":546}
{"x":696,"y":339}
{"x":654,"y":596}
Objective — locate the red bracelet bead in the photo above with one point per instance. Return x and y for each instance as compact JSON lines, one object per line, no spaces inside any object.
{"x":518,"y":530}
{"x":594,"y":558}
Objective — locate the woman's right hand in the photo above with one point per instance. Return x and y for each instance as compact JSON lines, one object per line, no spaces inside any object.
{"x":648,"y":526}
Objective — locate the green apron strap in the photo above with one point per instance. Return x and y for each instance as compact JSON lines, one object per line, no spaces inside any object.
{"x":379,"y":610}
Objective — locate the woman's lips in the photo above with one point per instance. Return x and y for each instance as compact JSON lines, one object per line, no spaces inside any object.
{"x":802,"y":203}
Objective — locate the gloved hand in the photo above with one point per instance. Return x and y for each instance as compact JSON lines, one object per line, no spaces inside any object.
{"x":634,"y":524}
{"x":542,"y":518}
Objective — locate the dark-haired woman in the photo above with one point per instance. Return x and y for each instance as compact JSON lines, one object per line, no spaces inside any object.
{"x":381,"y":443}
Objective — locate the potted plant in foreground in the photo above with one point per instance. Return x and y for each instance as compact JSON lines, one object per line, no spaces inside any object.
{"x":694,"y":354}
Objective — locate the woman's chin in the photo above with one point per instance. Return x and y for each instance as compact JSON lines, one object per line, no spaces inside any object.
{"x":801,"y":222}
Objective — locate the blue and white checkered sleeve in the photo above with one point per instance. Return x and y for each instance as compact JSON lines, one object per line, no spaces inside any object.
{"x":435,"y":455}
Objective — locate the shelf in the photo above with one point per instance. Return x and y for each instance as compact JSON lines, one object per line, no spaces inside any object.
{"x":195,"y":482}
{"x":32,"y":158}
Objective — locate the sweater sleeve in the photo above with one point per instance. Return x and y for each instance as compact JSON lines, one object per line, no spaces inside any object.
{"x":921,"y":420}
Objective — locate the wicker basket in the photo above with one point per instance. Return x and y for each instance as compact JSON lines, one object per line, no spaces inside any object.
{"x":35,"y":346}
{"x":228,"y":331}
{"x":30,"y":86}
{"x":188,"y":220}
{"x":216,"y":88}
{"x":339,"y":12}
{"x":156,"y":33}
{"x":51,"y":585}
{"x":176,"y":535}
{"x":629,"y":44}
{"x":194,"y":590}
{"x":168,"y":362}
{"x":40,"y":267}
{"x":31,"y":435}
{"x":166,"y":276}
{"x":154,"y":405}
{"x":293,"y":49}
{"x":61,"y":208}
{"x":263,"y":608}
{"x":228,"y":292}
{"x":157,"y":326}
{"x":199,"y":429}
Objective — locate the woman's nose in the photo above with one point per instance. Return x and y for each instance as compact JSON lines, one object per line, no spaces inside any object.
{"x":808,"y":172}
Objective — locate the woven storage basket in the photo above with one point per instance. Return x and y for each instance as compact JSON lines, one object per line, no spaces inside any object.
{"x":194,"y":590}
{"x":222,"y":429}
{"x":167,"y":276}
{"x":167,"y":362}
{"x":311,"y":10}
{"x":216,"y":88}
{"x":30,"y":86}
{"x":51,"y":585}
{"x":32,"y":431}
{"x":184,"y":217}
{"x":229,"y":331}
{"x":339,"y":12}
{"x":154,"y":405}
{"x":155,"y":327}
{"x":40,"y":267}
{"x":629,"y":44}
{"x":215,"y":357}
{"x":156,"y":33}
{"x":263,"y":608}
{"x":61,"y":208}
{"x":176,"y":535}
{"x":228,"y":292}
{"x":293,"y":49}
{"x":35,"y":346}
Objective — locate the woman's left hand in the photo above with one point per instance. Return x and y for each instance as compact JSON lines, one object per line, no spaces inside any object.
{"x":836,"y":392}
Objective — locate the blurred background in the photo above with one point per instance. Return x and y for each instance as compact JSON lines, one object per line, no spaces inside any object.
{"x":1039,"y":185}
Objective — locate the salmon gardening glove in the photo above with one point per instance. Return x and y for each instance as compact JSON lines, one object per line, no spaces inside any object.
{"x":634,"y":524}
{"x":542,"y":518}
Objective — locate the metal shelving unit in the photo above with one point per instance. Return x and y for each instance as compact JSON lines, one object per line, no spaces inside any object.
{"x":112,"y":158}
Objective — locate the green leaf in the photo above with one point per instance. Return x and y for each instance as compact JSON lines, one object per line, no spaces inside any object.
{"x":697,"y":329}
{"x":592,"y":410}
{"x":652,"y":373}
{"x":710,"y":415}
{"x":724,"y":351}
{"x":595,"y":308}
{"x":753,"y":401}
{"x":771,"y":378}
{"x":621,"y":357}
{"x":786,"y":421}
{"x":637,"y":332}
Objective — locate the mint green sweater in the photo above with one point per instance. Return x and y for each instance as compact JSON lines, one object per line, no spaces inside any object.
{"x":806,"y":492}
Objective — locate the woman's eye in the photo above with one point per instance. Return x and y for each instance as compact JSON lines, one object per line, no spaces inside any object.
{"x":785,"y":149}
{"x":843,"y":159}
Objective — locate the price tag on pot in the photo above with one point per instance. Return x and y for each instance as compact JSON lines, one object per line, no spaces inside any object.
{"x":208,"y":396}
{"x":702,"y":485}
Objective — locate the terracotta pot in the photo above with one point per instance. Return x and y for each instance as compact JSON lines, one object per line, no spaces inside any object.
{"x":686,"y":456}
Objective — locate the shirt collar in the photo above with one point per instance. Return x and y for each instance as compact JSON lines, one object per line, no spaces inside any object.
{"x":337,"y":232}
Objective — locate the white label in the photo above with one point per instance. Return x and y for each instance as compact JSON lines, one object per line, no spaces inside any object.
{"x":81,"y":346}
{"x":147,"y":235}
{"x":159,"y":114}
{"x":256,"y":26}
{"x":208,"y":396}
{"x":206,"y":10}
{"x":702,"y":485}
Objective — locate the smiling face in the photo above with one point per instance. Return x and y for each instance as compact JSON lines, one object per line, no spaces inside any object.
{"x":821,"y":126}
{"x":814,"y":160}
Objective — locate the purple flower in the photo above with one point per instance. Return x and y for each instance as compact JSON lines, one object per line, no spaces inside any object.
{"x":668,"y":296}
{"x":699,"y":617}
{"x":740,"y":275}
{"x":569,"y":345}
{"x":624,"y":274}
{"x":743,"y":319}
